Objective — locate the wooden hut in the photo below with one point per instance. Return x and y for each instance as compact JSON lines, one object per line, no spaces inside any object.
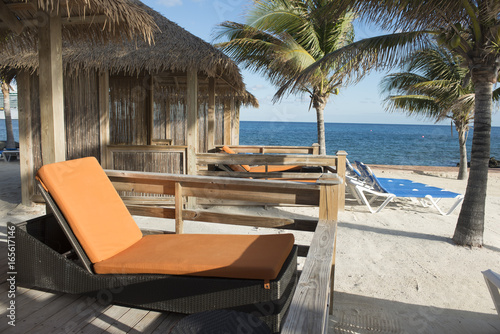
{"x":131,"y":104}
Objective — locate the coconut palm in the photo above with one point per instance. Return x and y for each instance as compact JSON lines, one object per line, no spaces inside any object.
{"x":5,"y":80}
{"x":434,"y":86}
{"x":283,"y":37}
{"x":470,"y":28}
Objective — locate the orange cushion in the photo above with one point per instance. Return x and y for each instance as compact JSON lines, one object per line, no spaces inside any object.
{"x":274,"y":168}
{"x":295,"y":180}
{"x":236,"y":168}
{"x":92,"y":207}
{"x":231,"y":256}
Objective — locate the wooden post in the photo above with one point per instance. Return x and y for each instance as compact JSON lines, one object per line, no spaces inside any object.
{"x":192,"y":120}
{"x":51,"y":90}
{"x":179,"y":223}
{"x":151,"y":110}
{"x":235,"y":131}
{"x":329,"y":195}
{"x":328,"y":199}
{"x":315,"y":147}
{"x":227,"y":123}
{"x":192,"y":126}
{"x":104,"y":118}
{"x":341,"y":161}
{"x":211,"y":114}
{"x":25,"y":137}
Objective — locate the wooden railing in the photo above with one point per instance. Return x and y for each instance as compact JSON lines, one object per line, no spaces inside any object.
{"x":148,"y":158}
{"x":314,"y":149}
{"x":329,"y":163}
{"x":310,"y":304}
{"x":173,"y":159}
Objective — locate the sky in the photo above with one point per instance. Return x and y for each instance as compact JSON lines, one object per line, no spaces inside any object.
{"x":360,"y":103}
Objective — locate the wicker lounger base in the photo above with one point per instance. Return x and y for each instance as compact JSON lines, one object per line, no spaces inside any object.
{"x":43,"y":262}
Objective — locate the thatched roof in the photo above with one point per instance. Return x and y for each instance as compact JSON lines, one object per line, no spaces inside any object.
{"x":95,"y":20}
{"x":174,"y":50}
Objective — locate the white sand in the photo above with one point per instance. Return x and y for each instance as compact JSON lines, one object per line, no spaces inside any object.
{"x":396,"y":271}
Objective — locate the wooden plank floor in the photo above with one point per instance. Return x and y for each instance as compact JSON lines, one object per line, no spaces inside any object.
{"x":44,"y":312}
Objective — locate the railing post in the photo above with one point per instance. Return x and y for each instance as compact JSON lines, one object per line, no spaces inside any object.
{"x":104,"y":134}
{"x":315,"y":147}
{"x":329,"y":197}
{"x":192,"y":126}
{"x":179,"y":223}
{"x":341,"y":161}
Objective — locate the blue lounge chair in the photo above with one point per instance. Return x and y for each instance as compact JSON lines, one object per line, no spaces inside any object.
{"x":390,"y":188}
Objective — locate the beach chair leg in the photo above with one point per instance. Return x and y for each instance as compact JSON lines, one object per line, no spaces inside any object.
{"x":363,"y":198}
{"x":459,"y":200}
{"x":361,"y":194}
{"x":387,"y":201}
{"x":493,"y":282}
{"x":353,"y":192}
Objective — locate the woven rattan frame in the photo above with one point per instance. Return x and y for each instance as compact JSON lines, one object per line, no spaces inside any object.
{"x":47,"y":260}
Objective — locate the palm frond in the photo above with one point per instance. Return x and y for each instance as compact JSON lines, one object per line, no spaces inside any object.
{"x":405,"y":15}
{"x":496,"y":95}
{"x":277,"y":57}
{"x":399,"y":82}
{"x":277,"y":17}
{"x":413,"y":105}
{"x":352,"y":62}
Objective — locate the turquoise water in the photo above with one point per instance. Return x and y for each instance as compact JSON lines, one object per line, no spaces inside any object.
{"x":390,"y":144}
{"x":3,"y":133}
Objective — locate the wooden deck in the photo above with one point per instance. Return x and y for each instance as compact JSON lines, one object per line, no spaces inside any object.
{"x":46,"y":312}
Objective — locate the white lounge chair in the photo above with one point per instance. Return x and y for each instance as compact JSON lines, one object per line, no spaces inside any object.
{"x":389,"y":189}
{"x":493,"y":282}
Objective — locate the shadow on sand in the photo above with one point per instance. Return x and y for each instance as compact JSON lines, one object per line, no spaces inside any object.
{"x":360,"y":314}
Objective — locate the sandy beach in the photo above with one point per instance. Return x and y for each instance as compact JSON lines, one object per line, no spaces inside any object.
{"x":397,"y":271}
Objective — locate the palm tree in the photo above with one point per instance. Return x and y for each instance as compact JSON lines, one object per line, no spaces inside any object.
{"x":5,"y":80}
{"x":435,"y":86}
{"x":470,"y":28}
{"x":283,"y":37}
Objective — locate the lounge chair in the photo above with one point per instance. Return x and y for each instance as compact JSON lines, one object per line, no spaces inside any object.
{"x":353,"y":177}
{"x":91,"y":245}
{"x":493,"y":282}
{"x":389,"y":189}
{"x":259,"y":169}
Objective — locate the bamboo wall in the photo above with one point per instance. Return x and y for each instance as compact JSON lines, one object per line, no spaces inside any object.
{"x":81,"y":116}
{"x":169,"y":117}
{"x":130,"y":114}
{"x":128,"y":110}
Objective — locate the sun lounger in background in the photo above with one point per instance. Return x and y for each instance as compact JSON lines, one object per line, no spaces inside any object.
{"x":259,"y":169}
{"x":389,"y":189}
{"x":493,"y":282}
{"x":91,"y":245}
{"x":9,"y":154}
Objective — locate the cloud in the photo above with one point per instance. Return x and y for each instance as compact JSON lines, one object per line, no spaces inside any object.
{"x":255,"y":88}
{"x":170,"y":3}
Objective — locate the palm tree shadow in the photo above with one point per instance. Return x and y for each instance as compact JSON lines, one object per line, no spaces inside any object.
{"x":361,"y":314}
{"x":398,"y":233}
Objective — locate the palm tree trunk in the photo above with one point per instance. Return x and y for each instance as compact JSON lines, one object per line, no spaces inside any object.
{"x":8,"y":118}
{"x":319,"y":103}
{"x":462,"y":171}
{"x":470,"y":226}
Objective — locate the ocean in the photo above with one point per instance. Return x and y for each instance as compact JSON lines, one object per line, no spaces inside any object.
{"x":385,"y":144}
{"x":3,"y":133}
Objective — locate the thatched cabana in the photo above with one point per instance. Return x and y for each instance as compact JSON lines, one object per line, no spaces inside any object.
{"x":123,"y":98}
